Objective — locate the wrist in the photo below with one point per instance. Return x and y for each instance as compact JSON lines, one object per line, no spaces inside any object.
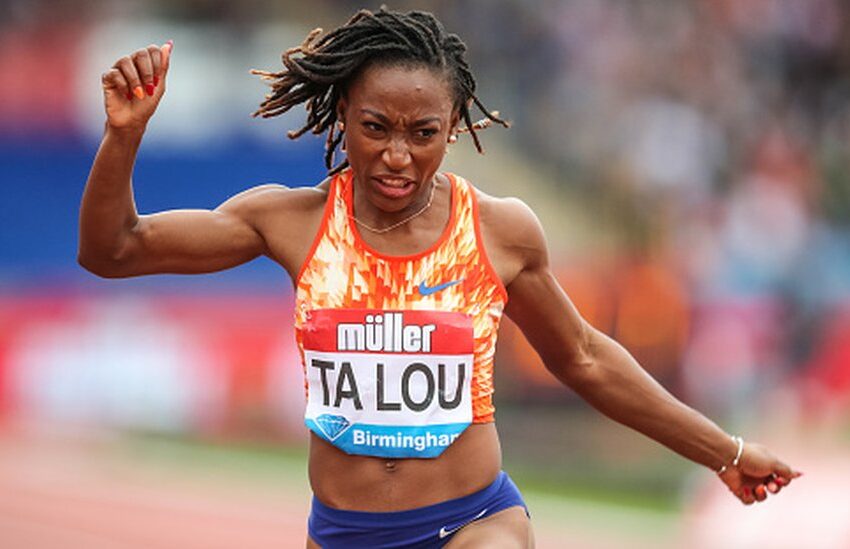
{"x":732,"y":450}
{"x":129,"y":134}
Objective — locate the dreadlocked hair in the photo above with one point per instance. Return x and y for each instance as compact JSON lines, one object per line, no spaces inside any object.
{"x":318,"y":71}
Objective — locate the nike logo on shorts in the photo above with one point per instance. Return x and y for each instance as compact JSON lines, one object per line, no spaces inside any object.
{"x":449,"y":531}
{"x":428,"y":290}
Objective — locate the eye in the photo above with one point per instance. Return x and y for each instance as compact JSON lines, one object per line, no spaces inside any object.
{"x":373,"y":126}
{"x":426,"y":133}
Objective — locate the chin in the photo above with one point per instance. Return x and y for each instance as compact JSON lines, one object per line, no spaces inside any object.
{"x":389,"y":205}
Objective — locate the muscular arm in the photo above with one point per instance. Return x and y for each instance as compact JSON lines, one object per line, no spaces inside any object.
{"x":117,"y":242}
{"x":595,"y":366}
{"x":600,"y":370}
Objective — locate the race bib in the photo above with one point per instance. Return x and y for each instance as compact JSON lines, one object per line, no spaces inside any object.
{"x":388,"y":383}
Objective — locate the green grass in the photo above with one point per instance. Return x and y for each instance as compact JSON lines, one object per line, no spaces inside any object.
{"x":243,"y":460}
{"x":628,"y":497}
{"x":278,"y":462}
{"x":559,"y":506}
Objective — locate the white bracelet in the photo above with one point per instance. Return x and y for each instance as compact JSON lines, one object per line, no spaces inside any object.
{"x":740,"y":442}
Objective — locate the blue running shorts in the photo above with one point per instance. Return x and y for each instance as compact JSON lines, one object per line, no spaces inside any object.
{"x":423,"y":527}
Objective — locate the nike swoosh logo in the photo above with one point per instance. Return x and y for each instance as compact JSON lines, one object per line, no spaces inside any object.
{"x":428,"y":290}
{"x":449,"y":532}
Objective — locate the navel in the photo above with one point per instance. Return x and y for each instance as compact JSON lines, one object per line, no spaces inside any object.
{"x":390,"y":466}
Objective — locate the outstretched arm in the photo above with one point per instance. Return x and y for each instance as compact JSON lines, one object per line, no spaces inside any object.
{"x":603,"y":373}
{"x":115,"y":241}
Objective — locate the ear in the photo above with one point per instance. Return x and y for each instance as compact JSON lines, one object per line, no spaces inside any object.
{"x":341,"y":107}
{"x":454,"y":121}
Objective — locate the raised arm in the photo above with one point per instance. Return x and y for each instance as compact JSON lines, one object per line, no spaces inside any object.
{"x":115,"y":241}
{"x":604,"y":374}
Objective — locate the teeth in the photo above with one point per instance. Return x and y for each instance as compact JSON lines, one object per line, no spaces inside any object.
{"x":398,"y":183}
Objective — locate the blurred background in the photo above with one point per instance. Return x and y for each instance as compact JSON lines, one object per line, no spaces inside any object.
{"x":690,"y":161}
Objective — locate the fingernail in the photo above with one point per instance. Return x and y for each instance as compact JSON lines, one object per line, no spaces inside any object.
{"x":747,"y":491}
{"x":155,"y":80}
{"x":139,"y":92}
{"x":166,"y":50}
{"x":129,"y":96}
{"x":149,"y":88}
{"x":779,"y":481}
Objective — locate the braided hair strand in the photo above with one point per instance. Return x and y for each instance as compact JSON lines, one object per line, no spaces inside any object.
{"x":318,"y":71}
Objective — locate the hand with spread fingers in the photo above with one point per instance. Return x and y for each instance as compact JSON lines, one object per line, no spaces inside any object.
{"x":757,"y":473}
{"x":134,"y":85}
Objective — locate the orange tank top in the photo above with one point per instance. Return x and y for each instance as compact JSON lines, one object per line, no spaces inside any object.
{"x":397,"y":350}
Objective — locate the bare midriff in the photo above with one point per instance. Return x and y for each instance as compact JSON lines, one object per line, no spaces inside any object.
{"x":365,"y":483}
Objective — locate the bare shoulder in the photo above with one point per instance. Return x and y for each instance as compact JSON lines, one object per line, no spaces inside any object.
{"x":287,"y":219}
{"x":263,"y":202}
{"x":512,"y":233}
{"x":276,"y":209}
{"x":510,"y":222}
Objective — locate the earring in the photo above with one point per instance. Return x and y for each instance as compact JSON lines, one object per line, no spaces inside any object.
{"x":453,"y":138}
{"x":341,"y":126}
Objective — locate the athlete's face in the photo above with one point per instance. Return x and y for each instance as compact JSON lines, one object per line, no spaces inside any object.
{"x":397,"y":124}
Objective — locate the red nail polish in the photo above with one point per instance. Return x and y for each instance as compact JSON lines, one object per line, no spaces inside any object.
{"x":149,"y":89}
{"x":129,"y":96}
{"x":155,"y":80}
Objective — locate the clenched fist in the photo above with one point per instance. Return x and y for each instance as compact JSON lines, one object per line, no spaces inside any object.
{"x":134,"y":85}
{"x":758,"y":473}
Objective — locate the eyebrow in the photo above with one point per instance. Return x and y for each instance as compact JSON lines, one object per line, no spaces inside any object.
{"x":386,"y":120}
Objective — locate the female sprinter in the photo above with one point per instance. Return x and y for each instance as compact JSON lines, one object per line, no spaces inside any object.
{"x":402,"y":273}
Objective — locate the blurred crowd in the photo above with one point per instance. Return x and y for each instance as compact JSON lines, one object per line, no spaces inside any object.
{"x":711,"y":141}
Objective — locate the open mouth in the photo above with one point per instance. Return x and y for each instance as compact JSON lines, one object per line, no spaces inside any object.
{"x":394,"y":187}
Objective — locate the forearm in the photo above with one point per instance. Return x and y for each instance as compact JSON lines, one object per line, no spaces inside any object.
{"x":108,"y":211}
{"x":615,"y":384}
{"x":607,"y":377}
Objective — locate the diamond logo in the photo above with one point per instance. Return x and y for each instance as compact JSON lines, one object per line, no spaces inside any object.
{"x":332,"y":425}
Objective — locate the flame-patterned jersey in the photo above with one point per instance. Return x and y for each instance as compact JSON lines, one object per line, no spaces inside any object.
{"x":397,"y":350}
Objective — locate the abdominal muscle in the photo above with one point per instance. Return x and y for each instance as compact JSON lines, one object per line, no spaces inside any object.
{"x":366,"y":483}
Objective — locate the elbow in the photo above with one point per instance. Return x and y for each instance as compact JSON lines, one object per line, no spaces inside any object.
{"x":102,"y":265}
{"x":575,"y":371}
{"x":107,"y":258}
{"x":576,"y":366}
{"x":103,"y":269}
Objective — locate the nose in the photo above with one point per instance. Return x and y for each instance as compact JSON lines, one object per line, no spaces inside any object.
{"x":397,"y":154}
